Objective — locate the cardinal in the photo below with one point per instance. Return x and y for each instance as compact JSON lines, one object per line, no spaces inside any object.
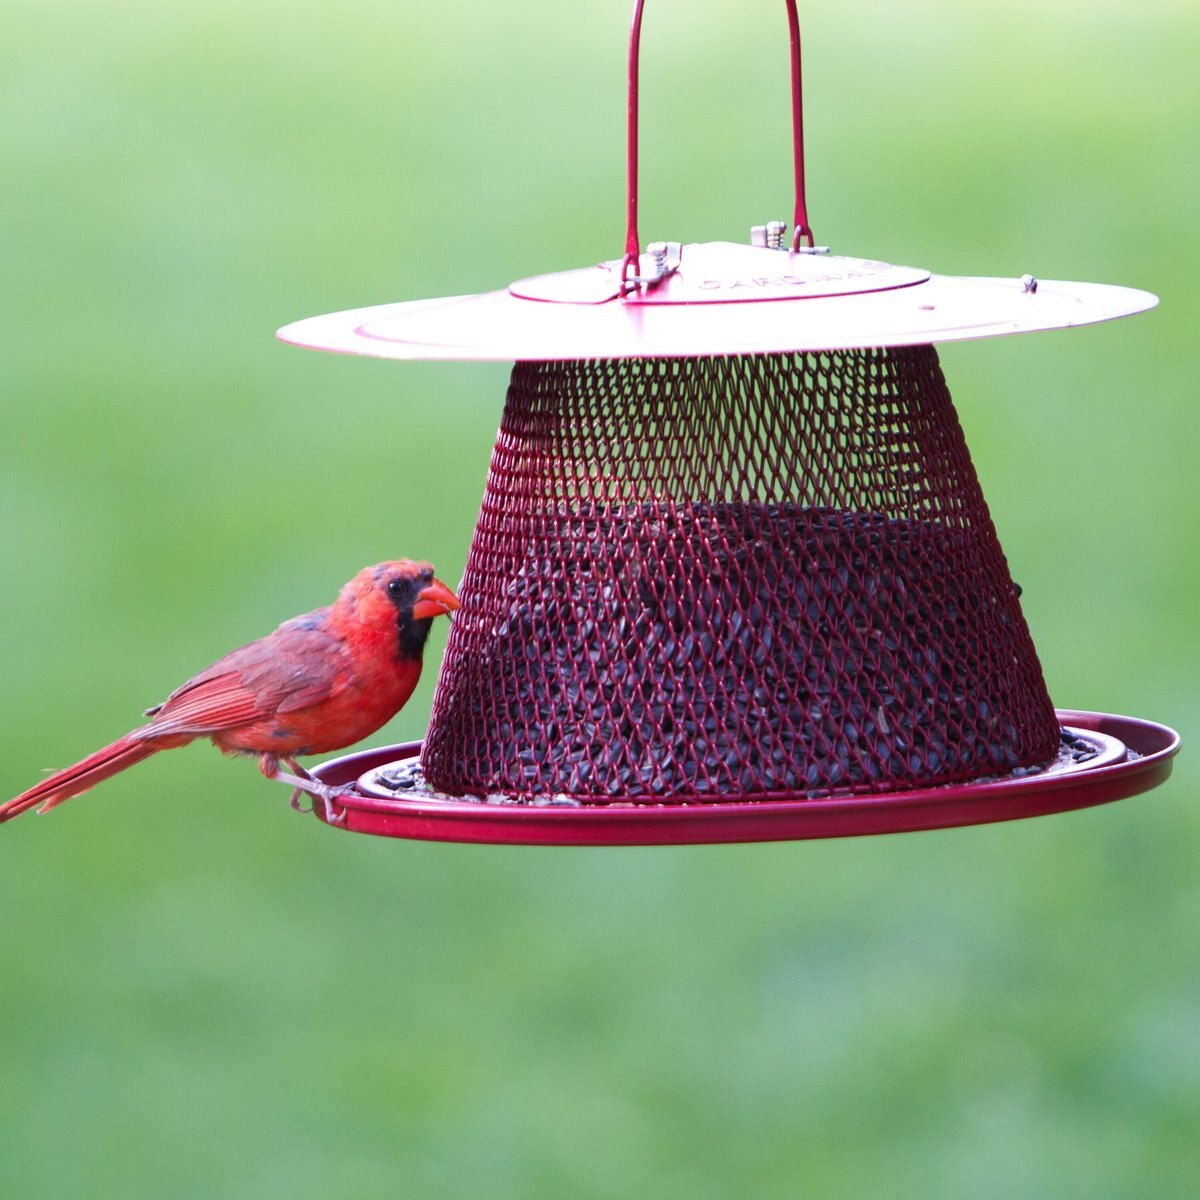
{"x":318,"y":683}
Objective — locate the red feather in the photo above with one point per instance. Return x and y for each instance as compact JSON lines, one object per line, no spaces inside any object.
{"x":318,"y":683}
{"x":83,"y":775}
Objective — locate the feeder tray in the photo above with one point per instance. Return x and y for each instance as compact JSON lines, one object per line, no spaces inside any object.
{"x":1104,"y":758}
{"x":733,"y":576}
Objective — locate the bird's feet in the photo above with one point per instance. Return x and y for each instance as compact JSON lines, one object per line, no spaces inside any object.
{"x":303,"y":784}
{"x":327,"y":795}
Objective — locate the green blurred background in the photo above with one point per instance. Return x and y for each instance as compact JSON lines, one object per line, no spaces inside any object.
{"x":202,"y":994}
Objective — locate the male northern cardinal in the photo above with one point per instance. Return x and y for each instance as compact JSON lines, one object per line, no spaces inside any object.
{"x":318,"y":683}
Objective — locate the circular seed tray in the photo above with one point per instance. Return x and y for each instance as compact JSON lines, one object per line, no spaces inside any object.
{"x":1130,"y":756}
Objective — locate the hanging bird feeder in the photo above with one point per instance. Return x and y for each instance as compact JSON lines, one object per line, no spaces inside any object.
{"x":733,"y":576}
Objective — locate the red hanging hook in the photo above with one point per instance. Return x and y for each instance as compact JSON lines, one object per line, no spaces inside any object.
{"x":801,"y":228}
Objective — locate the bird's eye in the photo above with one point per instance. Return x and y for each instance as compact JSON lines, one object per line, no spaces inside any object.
{"x":396,"y":587}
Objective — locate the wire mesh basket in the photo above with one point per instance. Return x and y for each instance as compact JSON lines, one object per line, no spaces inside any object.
{"x":750,"y":576}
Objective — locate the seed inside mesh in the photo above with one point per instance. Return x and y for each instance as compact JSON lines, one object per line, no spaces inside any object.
{"x":406,"y":779}
{"x":713,"y":649}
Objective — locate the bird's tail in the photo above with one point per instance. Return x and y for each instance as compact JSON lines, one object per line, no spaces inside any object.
{"x":85,"y":774}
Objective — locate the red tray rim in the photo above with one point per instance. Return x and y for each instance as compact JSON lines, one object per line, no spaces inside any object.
{"x":1146,"y":762}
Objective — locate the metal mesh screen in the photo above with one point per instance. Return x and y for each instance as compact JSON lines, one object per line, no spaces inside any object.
{"x":734,"y":578}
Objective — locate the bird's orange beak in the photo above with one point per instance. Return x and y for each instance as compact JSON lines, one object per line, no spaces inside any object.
{"x":434,"y":600}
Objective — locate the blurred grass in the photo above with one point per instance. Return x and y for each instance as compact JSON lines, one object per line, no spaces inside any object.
{"x":205,"y":996}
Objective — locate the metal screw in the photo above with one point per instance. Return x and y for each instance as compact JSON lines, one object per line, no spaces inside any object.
{"x":769,"y":236}
{"x":666,"y":256}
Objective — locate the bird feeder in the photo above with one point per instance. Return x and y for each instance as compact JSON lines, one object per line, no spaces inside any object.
{"x":733,"y":576}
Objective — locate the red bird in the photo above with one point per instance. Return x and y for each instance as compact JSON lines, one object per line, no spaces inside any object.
{"x":320,"y":682}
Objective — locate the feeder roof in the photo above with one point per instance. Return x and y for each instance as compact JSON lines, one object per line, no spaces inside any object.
{"x":721,"y":298}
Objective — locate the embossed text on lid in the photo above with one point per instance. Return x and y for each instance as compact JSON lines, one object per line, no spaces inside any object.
{"x":724,"y":272}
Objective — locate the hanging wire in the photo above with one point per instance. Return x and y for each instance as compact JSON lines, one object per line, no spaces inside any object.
{"x":801,"y":229}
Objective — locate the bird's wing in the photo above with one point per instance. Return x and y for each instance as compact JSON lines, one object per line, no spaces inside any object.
{"x":299,"y":664}
{"x":205,"y":704}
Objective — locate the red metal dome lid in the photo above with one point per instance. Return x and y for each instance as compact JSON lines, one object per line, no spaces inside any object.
{"x":722,"y":298}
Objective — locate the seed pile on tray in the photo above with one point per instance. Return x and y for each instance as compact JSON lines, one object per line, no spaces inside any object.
{"x":703,"y":650}
{"x":405,"y":779}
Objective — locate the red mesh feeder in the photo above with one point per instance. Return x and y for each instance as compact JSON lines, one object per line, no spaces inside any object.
{"x":733,"y":576}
